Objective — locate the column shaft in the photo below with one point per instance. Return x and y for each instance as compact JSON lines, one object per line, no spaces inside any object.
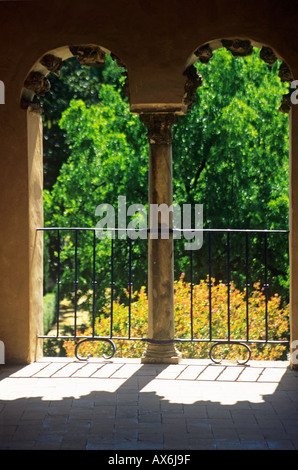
{"x":161,"y":348}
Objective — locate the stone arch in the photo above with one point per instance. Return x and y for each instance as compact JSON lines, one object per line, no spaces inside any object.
{"x":37,"y":81}
{"x":238,"y":48}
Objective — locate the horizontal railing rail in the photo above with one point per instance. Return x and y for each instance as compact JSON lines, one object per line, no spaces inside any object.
{"x":193,"y":337}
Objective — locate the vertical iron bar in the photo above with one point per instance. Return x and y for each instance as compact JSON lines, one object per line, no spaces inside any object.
{"x":191,"y":293}
{"x":247,"y":284}
{"x":228,"y":281}
{"x":94,"y":284}
{"x":58,"y":283}
{"x":266,"y":284}
{"x":210,"y":287}
{"x":76,"y":283}
{"x":129,"y":286}
{"x":112,"y":285}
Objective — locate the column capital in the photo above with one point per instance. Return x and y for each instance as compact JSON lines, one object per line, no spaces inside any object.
{"x":159,"y":126}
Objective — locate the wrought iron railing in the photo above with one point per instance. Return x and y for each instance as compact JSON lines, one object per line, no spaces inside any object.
{"x":210,"y":260}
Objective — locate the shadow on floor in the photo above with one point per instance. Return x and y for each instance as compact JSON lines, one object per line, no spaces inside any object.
{"x":120,"y":405}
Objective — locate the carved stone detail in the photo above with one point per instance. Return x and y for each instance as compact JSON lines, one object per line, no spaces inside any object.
{"x":88,"y":55}
{"x":38,"y":83}
{"x":267,"y":55}
{"x":204,"y":53}
{"x":193,"y":81}
{"x":284,"y":73}
{"x":159,"y":127}
{"x":285,"y":105}
{"x":52,"y":63}
{"x":238,"y":47}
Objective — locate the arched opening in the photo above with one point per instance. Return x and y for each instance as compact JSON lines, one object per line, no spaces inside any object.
{"x":188,"y":94}
{"x":73,"y":73}
{"x":96,"y":105}
{"x":229,"y":127}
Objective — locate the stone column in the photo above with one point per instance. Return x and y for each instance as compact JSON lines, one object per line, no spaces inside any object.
{"x":161,"y":348}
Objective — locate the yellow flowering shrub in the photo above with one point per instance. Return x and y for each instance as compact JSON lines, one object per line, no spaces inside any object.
{"x":235,"y":327}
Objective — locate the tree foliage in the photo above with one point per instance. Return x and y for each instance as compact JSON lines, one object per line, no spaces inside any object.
{"x":230,"y":153}
{"x":108,"y":154}
{"x":231,"y":149}
{"x":73,"y":83}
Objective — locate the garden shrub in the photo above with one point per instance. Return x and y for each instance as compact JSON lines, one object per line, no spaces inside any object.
{"x":277,"y":320}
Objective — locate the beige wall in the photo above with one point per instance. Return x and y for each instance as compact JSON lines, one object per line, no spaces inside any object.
{"x":154,"y":39}
{"x":14,"y":235}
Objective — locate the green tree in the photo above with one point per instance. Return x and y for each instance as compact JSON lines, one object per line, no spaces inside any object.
{"x":230,"y":153}
{"x":231,"y":149}
{"x":109,"y":158}
{"x":74,"y":82}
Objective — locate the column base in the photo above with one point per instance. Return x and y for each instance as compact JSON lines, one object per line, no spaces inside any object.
{"x":157,"y":353}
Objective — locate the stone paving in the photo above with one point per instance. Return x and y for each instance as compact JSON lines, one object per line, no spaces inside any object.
{"x":121,"y":404}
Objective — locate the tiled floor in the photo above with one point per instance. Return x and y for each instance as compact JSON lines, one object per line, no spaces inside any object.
{"x":122,"y":404}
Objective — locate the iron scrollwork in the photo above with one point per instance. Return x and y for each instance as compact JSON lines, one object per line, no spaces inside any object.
{"x":107,"y":340}
{"x":218,"y":361}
